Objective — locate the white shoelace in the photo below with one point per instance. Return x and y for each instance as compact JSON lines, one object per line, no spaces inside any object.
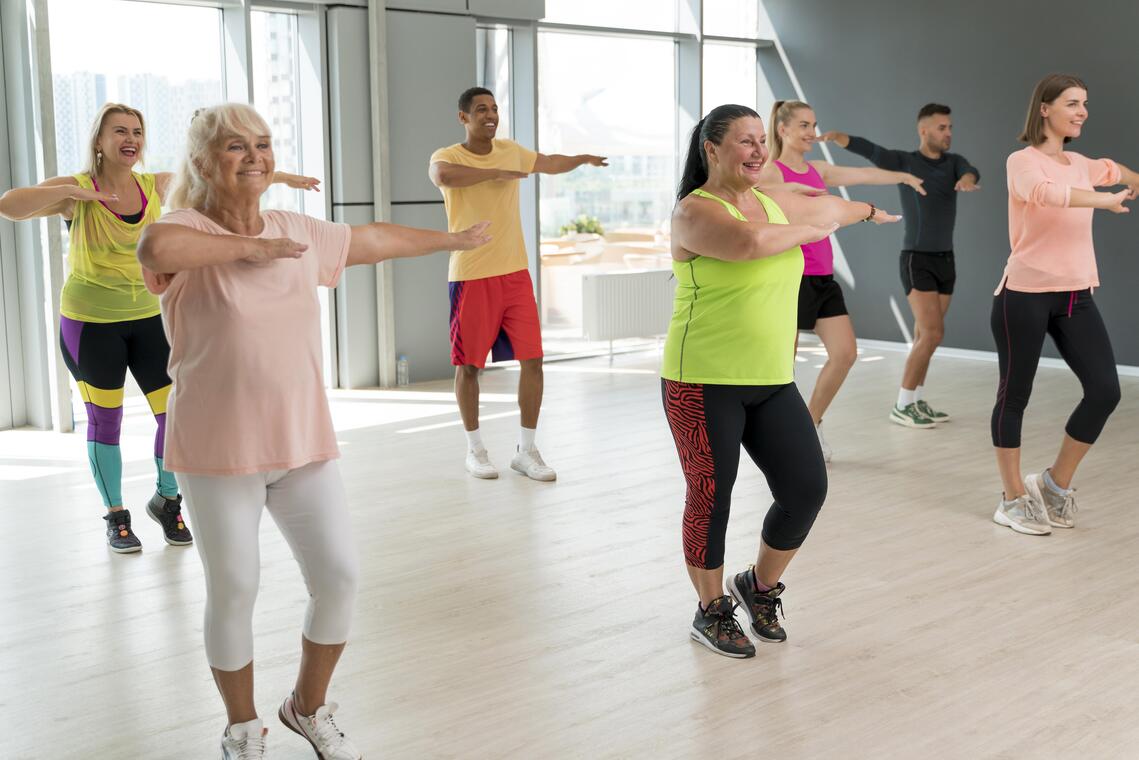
{"x":328,"y":736}
{"x":251,"y":748}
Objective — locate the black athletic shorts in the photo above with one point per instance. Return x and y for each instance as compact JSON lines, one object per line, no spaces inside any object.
{"x":819,"y":297}
{"x":926,"y":271}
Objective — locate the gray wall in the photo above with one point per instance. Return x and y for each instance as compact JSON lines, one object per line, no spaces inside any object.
{"x":867,"y":67}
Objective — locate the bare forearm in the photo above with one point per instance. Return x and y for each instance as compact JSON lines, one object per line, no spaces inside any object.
{"x":832,"y":209}
{"x":1078,"y":198}
{"x":774,"y":239}
{"x":556,"y":163}
{"x":171,"y":248}
{"x":457,"y":175}
{"x":1127,"y":176}
{"x":27,"y":202}
{"x":372,"y":243}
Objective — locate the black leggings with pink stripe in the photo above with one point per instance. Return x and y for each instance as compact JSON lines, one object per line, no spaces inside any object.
{"x":709,"y":423}
{"x":1020,"y":322}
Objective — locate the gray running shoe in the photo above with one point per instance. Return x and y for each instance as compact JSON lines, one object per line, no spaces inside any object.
{"x":1061,"y":509}
{"x":1024,"y":515}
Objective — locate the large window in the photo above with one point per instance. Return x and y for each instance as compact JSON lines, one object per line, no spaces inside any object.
{"x":276,"y":96}
{"x":653,"y":15}
{"x":493,"y":60}
{"x":735,"y":18}
{"x":626,"y":112}
{"x":164,"y":73}
{"x":595,"y":220}
{"x":729,"y":75}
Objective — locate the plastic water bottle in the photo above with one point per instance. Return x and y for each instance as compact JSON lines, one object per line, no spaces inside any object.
{"x":402,"y":371}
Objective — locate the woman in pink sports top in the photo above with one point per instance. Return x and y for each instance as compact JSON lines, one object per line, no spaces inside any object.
{"x":821,"y":305}
{"x":1047,"y":289}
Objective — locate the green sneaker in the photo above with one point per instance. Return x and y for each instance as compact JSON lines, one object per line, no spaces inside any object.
{"x":932,"y":413}
{"x":911,"y":417}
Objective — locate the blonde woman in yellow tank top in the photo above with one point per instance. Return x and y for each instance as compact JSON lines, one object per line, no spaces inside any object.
{"x":109,"y":322}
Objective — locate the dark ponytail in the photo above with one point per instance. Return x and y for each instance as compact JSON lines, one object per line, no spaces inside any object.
{"x":712,"y":127}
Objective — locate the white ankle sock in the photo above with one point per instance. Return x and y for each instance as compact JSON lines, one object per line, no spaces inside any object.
{"x":917,"y":392}
{"x":526,"y":438}
{"x":474,"y":440}
{"x":905,"y":398}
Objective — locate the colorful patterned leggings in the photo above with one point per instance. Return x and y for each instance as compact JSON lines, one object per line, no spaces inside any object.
{"x":98,"y":356}
{"x":709,"y":423}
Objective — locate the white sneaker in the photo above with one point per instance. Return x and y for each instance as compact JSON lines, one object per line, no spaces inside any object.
{"x":1060,"y":508}
{"x":478,"y":464}
{"x":529,"y":463}
{"x":823,"y":443}
{"x":320,"y":730}
{"x":1024,"y":515}
{"x":244,"y":741}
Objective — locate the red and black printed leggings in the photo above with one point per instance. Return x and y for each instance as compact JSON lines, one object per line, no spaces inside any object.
{"x":709,"y":423}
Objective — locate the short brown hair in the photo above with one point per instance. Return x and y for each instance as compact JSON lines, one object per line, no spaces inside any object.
{"x":1047,"y":90}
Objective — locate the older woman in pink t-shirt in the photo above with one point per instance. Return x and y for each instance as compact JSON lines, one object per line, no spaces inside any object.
{"x":248,"y":423}
{"x":1047,"y":289}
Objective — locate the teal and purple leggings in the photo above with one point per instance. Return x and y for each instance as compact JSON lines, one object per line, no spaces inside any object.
{"x":98,"y":356}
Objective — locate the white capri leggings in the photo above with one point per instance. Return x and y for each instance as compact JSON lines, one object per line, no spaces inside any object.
{"x":309,"y":507}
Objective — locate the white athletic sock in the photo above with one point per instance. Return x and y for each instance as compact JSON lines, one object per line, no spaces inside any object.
{"x":474,"y":440}
{"x":526,"y":438}
{"x":905,"y":398}
{"x":917,"y":393}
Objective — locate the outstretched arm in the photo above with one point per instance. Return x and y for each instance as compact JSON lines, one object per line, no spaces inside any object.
{"x":703,"y":228}
{"x":829,"y":210}
{"x":52,"y":196}
{"x":372,"y":243}
{"x":556,"y":163}
{"x":844,"y":176}
{"x":444,"y":174}
{"x":168,"y":248}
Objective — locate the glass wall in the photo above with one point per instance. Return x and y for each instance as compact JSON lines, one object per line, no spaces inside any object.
{"x":276,"y":96}
{"x":599,"y":219}
{"x":163,"y":74}
{"x":493,"y":61}
{"x":651,"y":15}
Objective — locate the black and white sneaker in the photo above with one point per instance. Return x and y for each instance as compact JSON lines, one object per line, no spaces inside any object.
{"x":120,"y":537}
{"x":762,"y":608}
{"x":168,"y":514}
{"x":717,"y":629}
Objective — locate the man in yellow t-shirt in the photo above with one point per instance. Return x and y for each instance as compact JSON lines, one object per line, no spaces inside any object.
{"x":492,"y":298}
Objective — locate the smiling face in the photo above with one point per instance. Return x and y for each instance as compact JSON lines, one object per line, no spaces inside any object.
{"x":243,"y":166}
{"x":798,"y":133}
{"x":740,"y":156}
{"x":481,"y":122}
{"x":1064,"y":117}
{"x":121,"y":140}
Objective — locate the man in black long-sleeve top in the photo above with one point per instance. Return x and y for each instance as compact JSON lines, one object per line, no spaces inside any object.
{"x":927,"y":267}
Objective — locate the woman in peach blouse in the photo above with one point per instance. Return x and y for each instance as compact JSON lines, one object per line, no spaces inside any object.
{"x":1047,"y":289}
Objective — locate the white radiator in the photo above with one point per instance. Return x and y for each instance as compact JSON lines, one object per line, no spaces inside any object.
{"x":632,"y":304}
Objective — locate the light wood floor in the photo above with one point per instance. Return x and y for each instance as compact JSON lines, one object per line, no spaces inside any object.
{"x":513,"y":619}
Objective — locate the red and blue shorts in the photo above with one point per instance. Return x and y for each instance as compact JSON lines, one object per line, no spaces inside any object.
{"x":495,"y":315}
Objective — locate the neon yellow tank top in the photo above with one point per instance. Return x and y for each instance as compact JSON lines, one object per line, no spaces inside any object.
{"x":104,"y":280}
{"x":733,"y":322}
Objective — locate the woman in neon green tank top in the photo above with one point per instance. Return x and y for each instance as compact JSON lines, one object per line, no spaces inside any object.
{"x":109,"y":322}
{"x":728,"y":371}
